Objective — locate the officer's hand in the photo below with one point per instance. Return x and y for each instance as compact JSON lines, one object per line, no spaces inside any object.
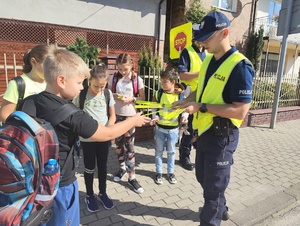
{"x":192,"y":107}
{"x":178,"y":104}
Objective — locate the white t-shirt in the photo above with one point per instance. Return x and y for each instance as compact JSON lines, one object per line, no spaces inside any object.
{"x":125,"y":87}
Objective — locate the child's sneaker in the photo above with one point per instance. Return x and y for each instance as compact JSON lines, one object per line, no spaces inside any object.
{"x":106,"y":201}
{"x":136,"y":186}
{"x":172,"y":178}
{"x":119,"y":175}
{"x":158,"y":178}
{"x":91,"y":204}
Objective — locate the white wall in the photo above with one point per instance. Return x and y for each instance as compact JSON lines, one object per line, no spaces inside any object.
{"x":292,"y":66}
{"x":262,"y":8}
{"x":127,"y":16}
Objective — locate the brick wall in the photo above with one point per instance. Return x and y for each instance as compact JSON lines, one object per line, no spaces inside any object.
{"x":263,"y":116}
{"x":144,"y":133}
{"x":253,"y":118}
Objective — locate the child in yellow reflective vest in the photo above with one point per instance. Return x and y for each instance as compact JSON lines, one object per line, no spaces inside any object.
{"x":166,"y":130}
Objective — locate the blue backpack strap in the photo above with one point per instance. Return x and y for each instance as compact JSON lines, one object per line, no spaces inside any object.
{"x":21,"y":88}
{"x":180,"y":96}
{"x":33,"y":125}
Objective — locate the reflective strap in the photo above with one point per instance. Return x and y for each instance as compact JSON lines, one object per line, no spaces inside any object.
{"x":45,"y":197}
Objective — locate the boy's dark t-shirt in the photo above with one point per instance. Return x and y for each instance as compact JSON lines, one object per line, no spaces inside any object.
{"x":78,"y":124}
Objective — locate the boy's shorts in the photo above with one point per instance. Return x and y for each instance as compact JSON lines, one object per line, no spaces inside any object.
{"x":66,"y":206}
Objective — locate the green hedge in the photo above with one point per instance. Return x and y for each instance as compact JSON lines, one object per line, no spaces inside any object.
{"x":264,"y":93}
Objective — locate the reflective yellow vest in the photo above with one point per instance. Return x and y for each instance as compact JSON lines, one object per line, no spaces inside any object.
{"x":195,"y":65}
{"x":214,"y":89}
{"x":167,"y":98}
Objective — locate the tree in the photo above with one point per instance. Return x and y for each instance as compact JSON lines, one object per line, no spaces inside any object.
{"x":255,"y":46}
{"x":195,"y":12}
{"x":148,"y":61}
{"x":88,"y":53}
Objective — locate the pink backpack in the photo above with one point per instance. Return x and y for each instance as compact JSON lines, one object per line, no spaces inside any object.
{"x":117,"y":76}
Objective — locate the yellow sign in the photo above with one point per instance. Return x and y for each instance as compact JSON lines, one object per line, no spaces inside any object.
{"x":180,"y":37}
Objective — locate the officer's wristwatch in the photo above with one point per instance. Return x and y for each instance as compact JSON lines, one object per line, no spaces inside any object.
{"x":203,"y":108}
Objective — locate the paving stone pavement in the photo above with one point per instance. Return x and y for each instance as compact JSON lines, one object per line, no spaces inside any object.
{"x":265,"y":179}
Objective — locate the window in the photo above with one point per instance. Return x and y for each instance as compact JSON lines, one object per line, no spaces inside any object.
{"x":229,"y":5}
{"x":274,"y":9}
{"x":272,"y":63}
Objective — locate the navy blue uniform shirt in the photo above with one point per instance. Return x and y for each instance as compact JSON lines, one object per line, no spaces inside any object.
{"x":184,"y":59}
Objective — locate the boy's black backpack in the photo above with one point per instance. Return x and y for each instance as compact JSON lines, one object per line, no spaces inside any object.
{"x":26,"y":144}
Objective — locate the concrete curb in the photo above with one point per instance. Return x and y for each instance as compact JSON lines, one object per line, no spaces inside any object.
{"x":280,"y":202}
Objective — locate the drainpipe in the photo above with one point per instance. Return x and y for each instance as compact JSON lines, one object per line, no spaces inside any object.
{"x":253,"y":16}
{"x":158,"y":27}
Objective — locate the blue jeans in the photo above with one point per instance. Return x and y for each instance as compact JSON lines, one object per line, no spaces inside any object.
{"x":165,"y":138}
{"x":66,"y":206}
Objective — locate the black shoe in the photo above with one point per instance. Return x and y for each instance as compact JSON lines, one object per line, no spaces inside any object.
{"x":136,"y":186}
{"x":225,"y":215}
{"x":118,"y":176}
{"x":186,"y":164}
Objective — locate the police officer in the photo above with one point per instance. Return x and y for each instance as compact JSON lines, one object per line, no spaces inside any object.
{"x":189,"y":65}
{"x":220,"y":103}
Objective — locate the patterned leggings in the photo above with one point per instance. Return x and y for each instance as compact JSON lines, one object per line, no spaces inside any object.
{"x":125,"y":149}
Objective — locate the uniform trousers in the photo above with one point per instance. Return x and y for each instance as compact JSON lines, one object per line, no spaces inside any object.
{"x":214,"y":157}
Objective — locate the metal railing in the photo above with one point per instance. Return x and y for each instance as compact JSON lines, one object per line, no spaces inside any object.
{"x":263,"y":89}
{"x":151,"y":81}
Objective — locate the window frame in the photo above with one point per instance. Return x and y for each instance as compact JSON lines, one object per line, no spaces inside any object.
{"x":272,"y":63}
{"x":218,"y":4}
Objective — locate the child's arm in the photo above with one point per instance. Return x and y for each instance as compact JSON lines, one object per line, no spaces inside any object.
{"x":141,"y":94}
{"x":112,"y":116}
{"x":155,"y":117}
{"x":128,"y":99}
{"x":108,"y":133}
{"x":6,"y":109}
{"x":116,"y":96}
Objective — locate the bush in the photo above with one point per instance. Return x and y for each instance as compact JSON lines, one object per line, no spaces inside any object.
{"x":149,"y":63}
{"x":88,"y":53}
{"x":264,"y":93}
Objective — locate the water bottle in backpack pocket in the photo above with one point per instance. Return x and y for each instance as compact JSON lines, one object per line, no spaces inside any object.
{"x":49,"y":182}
